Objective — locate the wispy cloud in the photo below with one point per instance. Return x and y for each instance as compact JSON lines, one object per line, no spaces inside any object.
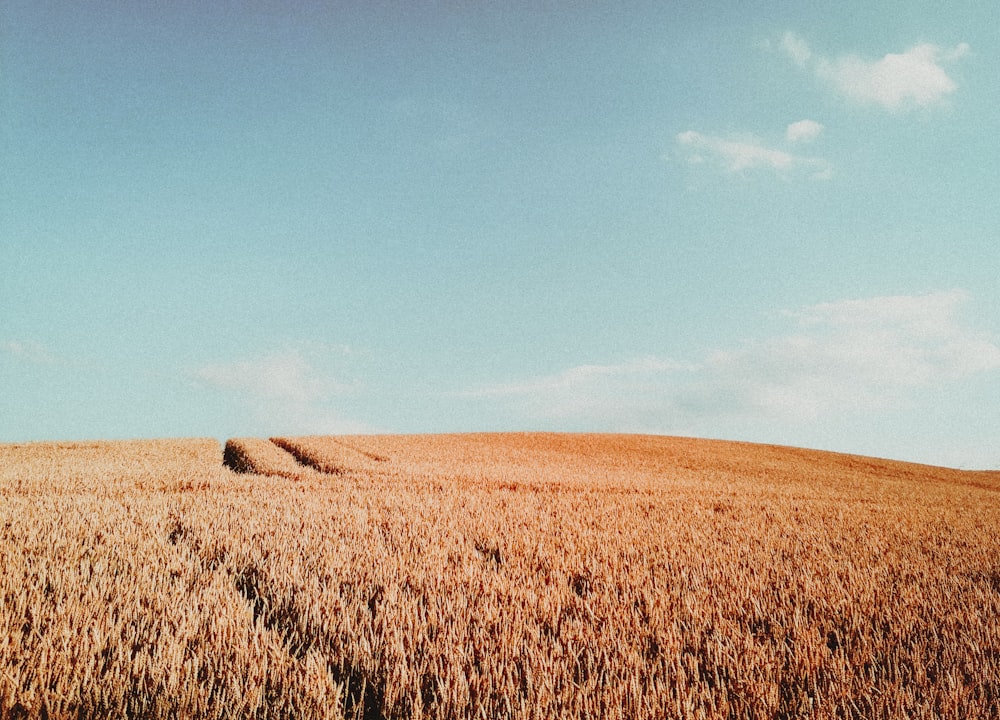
{"x":852,"y":355}
{"x":617,"y":393}
{"x":574,"y":377}
{"x":286,"y":376}
{"x":912,"y":79}
{"x":739,"y":155}
{"x":28,"y":351}
{"x":796,"y":48}
{"x":282,"y":390}
{"x":845,"y":357}
{"x":803,"y":131}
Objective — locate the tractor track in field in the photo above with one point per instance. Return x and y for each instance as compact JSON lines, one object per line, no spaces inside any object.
{"x":279,"y":613}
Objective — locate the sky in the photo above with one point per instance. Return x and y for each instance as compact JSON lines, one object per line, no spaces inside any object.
{"x":774,"y":222}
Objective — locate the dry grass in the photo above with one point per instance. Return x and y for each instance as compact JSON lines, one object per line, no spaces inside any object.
{"x":107,"y":467}
{"x":481,"y":576}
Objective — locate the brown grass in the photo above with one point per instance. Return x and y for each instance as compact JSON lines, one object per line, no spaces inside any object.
{"x":108,"y":467}
{"x":481,"y":576}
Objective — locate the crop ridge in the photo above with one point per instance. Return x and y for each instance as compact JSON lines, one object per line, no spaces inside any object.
{"x":331,"y":454}
{"x":261,"y":457}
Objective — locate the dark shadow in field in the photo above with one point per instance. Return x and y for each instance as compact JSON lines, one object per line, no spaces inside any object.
{"x":363,"y":693}
{"x":261,"y":457}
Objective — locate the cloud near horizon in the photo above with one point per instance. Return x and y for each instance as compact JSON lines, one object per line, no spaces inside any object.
{"x":897,"y":82}
{"x":736,"y":156}
{"x":842,"y":358}
{"x":281,"y":390}
{"x":29,"y":351}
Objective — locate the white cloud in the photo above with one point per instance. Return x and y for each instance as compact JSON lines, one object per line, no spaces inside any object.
{"x":855,"y":355}
{"x":574,"y":377}
{"x":285,"y":376}
{"x":735,"y":156}
{"x":803,"y":131}
{"x":895,"y":81}
{"x":283,"y":391}
{"x":918,"y":339}
{"x":898,"y":81}
{"x":796,"y":48}
{"x":614,"y":394}
{"x":29,"y":351}
{"x":842,"y":359}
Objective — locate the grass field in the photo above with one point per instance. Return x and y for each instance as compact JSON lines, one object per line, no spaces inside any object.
{"x":493,"y":576}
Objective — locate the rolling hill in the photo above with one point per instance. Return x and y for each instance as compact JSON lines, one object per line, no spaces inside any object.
{"x":511,"y":575}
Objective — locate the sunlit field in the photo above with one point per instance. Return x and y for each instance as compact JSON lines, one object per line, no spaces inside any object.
{"x":493,"y":576}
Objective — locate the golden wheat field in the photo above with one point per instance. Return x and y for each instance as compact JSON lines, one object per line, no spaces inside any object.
{"x":493,"y":576}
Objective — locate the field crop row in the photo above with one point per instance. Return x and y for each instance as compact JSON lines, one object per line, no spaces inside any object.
{"x":483,"y":576}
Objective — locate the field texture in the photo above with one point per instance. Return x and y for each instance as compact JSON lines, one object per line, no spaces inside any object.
{"x":493,"y":576}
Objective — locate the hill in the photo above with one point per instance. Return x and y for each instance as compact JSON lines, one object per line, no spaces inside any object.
{"x":493,"y":575}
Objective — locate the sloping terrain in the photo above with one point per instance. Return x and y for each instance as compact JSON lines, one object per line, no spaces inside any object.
{"x":493,"y":575}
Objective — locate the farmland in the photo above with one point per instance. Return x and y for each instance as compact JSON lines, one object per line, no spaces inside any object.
{"x":520,"y":575}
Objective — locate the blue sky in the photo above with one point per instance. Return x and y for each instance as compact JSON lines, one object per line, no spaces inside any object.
{"x":758,"y":221}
